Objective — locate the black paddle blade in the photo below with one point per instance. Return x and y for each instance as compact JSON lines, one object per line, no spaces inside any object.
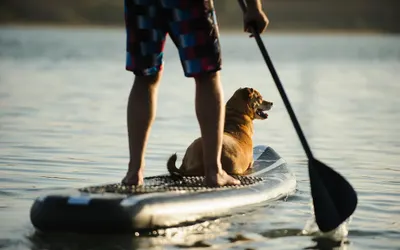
{"x":334,"y":198}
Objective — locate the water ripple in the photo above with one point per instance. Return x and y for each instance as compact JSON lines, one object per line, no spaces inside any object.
{"x":62,"y":125}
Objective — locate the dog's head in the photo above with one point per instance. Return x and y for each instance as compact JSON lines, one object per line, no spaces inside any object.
{"x":250,"y":102}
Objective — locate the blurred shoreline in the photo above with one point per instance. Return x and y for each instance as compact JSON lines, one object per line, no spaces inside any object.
{"x":285,"y":16}
{"x":231,"y":30}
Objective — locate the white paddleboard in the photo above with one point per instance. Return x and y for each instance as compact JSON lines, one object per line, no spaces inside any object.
{"x":162,"y":202}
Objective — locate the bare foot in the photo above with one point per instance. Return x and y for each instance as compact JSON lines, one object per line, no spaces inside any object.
{"x":133,"y":178}
{"x":220,"y":179}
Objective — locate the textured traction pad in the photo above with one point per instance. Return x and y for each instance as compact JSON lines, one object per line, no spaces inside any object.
{"x":166,"y":183}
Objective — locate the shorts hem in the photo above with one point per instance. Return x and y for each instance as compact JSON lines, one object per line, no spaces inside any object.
{"x":146,"y":72}
{"x":192,"y":75}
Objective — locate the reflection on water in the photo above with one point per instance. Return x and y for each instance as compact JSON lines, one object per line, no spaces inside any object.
{"x":182,"y":237}
{"x":63,"y":97}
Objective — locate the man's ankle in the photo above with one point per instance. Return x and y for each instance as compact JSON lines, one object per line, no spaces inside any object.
{"x":213,"y":169}
{"x":136,"y":166}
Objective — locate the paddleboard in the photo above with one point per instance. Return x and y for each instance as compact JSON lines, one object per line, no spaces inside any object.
{"x":162,"y":201}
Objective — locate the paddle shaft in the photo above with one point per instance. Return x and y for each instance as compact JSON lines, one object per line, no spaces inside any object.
{"x":280,"y":89}
{"x":334,"y":198}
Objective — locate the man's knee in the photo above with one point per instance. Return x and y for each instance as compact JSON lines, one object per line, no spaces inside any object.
{"x":148,"y":81}
{"x":207,"y":78}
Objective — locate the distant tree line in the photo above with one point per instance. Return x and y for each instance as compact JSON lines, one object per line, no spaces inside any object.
{"x":373,"y":15}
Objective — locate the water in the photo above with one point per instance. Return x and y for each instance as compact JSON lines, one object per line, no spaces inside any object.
{"x":63,"y":95}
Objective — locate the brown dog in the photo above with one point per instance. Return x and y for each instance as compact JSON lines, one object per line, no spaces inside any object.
{"x":242,"y":108}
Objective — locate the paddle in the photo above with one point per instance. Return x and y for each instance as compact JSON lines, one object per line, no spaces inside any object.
{"x":334,"y":198}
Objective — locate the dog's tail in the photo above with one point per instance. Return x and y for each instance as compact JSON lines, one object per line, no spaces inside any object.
{"x":175,"y":173}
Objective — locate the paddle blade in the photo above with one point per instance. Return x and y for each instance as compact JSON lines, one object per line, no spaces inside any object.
{"x":334,"y":198}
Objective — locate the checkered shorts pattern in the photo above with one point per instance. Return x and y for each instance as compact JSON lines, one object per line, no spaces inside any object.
{"x":191,"y":24}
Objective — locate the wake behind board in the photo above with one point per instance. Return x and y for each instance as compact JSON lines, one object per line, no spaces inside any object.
{"x":162,"y":201}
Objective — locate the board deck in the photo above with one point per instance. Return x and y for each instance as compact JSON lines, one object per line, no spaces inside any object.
{"x":163,"y":201}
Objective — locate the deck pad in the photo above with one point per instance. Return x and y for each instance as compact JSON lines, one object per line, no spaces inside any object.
{"x":166,"y":183}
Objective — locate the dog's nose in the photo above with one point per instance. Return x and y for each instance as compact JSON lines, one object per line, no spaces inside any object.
{"x":272,"y":103}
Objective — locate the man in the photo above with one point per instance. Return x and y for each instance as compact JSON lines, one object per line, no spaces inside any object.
{"x":192,"y":26}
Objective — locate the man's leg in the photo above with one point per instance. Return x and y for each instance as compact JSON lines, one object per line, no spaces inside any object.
{"x":146,"y":34}
{"x":141,"y":112}
{"x":195,"y":33}
{"x":210,"y":113}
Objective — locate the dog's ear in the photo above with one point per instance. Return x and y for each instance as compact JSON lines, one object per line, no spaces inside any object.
{"x":247,"y":93}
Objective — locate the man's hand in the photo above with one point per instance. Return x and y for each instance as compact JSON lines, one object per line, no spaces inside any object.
{"x":255,"y":18}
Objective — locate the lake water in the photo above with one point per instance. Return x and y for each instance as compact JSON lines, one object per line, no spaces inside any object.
{"x":63,"y":95}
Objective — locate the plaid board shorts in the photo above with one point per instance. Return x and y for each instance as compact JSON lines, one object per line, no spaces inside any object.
{"x":191,"y":24}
